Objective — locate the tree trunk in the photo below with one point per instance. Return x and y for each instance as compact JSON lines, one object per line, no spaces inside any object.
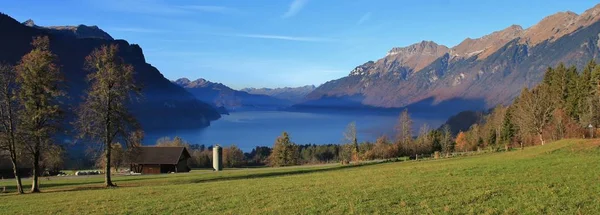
{"x":541,"y":138}
{"x":35,"y":184}
{"x":12,"y":145}
{"x":107,"y":180}
{"x":16,"y":172}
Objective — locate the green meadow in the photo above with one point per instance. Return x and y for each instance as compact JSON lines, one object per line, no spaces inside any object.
{"x":559,"y":178}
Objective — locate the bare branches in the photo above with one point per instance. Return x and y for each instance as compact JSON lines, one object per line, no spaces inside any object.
{"x":534,"y":110}
{"x":104,"y":116}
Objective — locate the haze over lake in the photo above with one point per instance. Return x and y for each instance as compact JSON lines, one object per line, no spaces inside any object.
{"x":261,"y":128}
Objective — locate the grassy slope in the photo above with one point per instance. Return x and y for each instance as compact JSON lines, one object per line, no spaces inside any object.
{"x":561,"y":177}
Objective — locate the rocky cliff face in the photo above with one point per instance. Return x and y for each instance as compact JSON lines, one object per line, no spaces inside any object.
{"x":486,"y":45}
{"x":164,"y":105}
{"x":481,"y":72}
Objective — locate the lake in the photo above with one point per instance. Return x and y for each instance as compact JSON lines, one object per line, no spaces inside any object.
{"x":261,"y":128}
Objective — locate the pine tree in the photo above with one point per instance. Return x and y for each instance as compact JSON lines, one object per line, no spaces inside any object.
{"x":586,"y":92}
{"x":556,"y":81}
{"x":573,"y":94}
{"x":508,"y":129}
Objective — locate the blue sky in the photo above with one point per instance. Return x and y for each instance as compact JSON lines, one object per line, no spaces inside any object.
{"x":277,"y":43}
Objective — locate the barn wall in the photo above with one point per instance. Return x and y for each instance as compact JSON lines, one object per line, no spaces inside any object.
{"x":151,"y":169}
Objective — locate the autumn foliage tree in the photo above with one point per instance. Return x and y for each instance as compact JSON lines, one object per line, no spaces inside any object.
{"x":285,"y":152}
{"x":461,"y":141}
{"x":104,"y":116}
{"x":562,"y":106}
{"x":40,"y":79}
{"x":233,"y":156}
{"x":117,"y":158}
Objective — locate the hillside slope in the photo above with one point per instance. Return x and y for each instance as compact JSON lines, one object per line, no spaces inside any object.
{"x":560,"y":177}
{"x":177,"y":107}
{"x":491,"y":70}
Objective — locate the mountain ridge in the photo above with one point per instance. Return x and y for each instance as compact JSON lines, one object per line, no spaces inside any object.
{"x":293,"y":94}
{"x":79,"y":31}
{"x":492,"y":68}
{"x":222,"y":96}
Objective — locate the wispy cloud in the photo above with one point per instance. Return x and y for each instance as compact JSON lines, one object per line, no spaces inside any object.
{"x":295,"y":8}
{"x":159,"y":7}
{"x":364,"y":18}
{"x":135,"y":30}
{"x":282,"y":37}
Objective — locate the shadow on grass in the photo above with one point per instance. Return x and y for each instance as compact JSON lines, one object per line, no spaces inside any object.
{"x":90,"y":184}
{"x":87,"y":185}
{"x":282,"y":173}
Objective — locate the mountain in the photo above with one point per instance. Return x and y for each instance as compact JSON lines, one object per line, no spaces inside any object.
{"x":177,"y":107}
{"x":294,"y":94}
{"x":223,"y":96}
{"x":474,"y":75}
{"x":80,"y":31}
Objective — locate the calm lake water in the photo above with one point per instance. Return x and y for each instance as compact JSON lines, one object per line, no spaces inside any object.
{"x":261,"y":128}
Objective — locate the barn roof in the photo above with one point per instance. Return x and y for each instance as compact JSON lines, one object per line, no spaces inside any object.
{"x":160,"y":155}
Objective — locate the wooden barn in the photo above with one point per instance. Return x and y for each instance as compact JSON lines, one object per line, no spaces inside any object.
{"x":156,"y":160}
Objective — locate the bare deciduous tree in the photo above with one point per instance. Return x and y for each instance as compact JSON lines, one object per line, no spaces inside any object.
{"x":9,"y":120}
{"x":446,"y":140}
{"x":534,"y":110}
{"x":104,"y":116}
{"x":351,"y":138}
{"x":404,"y":131}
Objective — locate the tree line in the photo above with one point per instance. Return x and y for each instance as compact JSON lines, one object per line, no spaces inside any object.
{"x":285,"y":152}
{"x":565,"y":105}
{"x":33,"y":109}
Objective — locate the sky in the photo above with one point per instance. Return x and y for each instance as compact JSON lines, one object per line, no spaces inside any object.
{"x":283,"y":43}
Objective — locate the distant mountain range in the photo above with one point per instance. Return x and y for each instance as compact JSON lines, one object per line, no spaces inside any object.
{"x":227,"y":99}
{"x":164,"y":105}
{"x":474,"y":75}
{"x":293,"y":94}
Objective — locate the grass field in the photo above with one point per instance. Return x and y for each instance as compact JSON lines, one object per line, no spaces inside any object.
{"x":558,"y":178}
